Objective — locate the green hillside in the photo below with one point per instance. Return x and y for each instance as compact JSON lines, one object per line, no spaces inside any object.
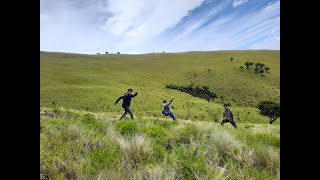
{"x":94,"y":82}
{"x":82,"y":139}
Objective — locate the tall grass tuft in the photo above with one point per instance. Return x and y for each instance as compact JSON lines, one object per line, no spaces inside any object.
{"x":136,"y":149}
{"x":224,"y":143}
{"x":268,"y":157}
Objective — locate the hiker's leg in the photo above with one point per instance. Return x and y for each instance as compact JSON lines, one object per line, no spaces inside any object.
{"x":233,"y":124}
{"x":172,"y":115}
{"x":130,"y":112}
{"x":224,"y":121}
{"x":124,"y":114}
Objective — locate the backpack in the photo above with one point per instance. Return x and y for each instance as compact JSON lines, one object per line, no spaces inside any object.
{"x":164,"y":112}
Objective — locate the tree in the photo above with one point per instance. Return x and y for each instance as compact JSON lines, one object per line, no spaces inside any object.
{"x":256,"y":69}
{"x":247,"y":64}
{"x":267,"y":69}
{"x":231,"y":59}
{"x":269,"y":109}
{"x":242,"y":68}
{"x":257,"y":65}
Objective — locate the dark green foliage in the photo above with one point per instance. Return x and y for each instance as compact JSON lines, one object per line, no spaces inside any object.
{"x":267,"y":69}
{"x":269,"y":109}
{"x":203,"y":92}
{"x":256,"y":70}
{"x":248,"y":64}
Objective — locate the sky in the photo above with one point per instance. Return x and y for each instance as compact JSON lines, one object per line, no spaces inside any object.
{"x":146,"y":26}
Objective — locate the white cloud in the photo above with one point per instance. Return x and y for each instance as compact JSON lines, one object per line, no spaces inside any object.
{"x":144,"y":26}
{"x":145,"y":19}
{"x":238,"y":2}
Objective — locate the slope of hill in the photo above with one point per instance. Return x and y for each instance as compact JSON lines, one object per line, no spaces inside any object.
{"x":82,"y":139}
{"x":94,"y":82}
{"x":84,"y":145}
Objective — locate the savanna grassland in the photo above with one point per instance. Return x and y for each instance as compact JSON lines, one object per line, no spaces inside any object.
{"x":80,"y":138}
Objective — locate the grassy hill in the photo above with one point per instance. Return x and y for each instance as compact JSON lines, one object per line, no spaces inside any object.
{"x":94,"y":82}
{"x":80,"y":138}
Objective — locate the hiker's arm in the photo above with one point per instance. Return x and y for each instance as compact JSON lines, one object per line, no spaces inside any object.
{"x":170,"y":101}
{"x":135,"y":94}
{"x":121,"y":97}
{"x":231,"y":113}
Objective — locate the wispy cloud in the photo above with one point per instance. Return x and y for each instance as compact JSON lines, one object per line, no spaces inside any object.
{"x":238,"y":2}
{"x":90,"y":26}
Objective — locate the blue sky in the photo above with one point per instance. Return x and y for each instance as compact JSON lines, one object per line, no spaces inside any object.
{"x":145,"y":26}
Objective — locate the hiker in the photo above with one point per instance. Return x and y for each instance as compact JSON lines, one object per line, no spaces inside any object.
{"x":227,"y":116}
{"x":126,"y":103}
{"x":167,"y":111}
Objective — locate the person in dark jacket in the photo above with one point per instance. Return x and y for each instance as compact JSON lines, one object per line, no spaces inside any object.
{"x":227,"y":116}
{"x":126,"y":103}
{"x":167,"y":111}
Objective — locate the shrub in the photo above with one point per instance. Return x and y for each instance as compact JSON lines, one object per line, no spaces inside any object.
{"x":126,"y":127}
{"x":203,"y":92}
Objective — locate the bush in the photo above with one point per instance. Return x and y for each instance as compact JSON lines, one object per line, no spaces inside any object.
{"x":126,"y":127}
{"x":203,"y":92}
